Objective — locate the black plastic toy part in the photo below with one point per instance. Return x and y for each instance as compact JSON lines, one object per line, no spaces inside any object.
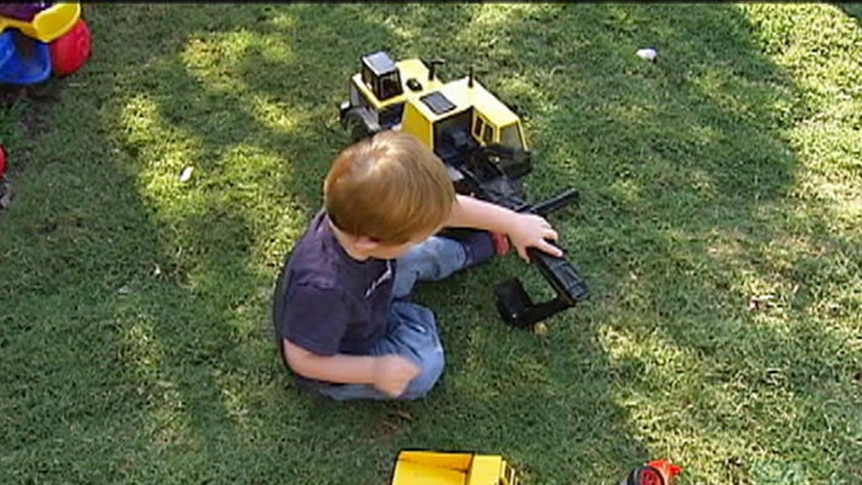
{"x":515,"y":305}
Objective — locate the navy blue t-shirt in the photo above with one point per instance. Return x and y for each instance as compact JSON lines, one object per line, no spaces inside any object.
{"x":327,"y":302}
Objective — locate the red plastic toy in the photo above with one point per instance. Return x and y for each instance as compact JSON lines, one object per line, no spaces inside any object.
{"x":2,"y":162}
{"x":656,"y":472}
{"x":71,"y":51}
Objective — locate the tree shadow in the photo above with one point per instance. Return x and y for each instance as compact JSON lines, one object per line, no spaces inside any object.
{"x":852,"y":9}
{"x":175,"y":315}
{"x":188,"y":347}
{"x":666,"y":239}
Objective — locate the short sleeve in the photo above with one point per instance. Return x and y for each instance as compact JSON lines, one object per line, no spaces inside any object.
{"x":315,"y":318}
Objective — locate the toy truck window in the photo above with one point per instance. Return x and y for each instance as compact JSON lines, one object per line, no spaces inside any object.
{"x":478,"y":125}
{"x":511,"y":136}
{"x":488,"y":134}
{"x":368,"y":78}
{"x":390,"y":86}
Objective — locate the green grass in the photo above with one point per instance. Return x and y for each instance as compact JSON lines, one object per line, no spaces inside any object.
{"x":135,"y":343}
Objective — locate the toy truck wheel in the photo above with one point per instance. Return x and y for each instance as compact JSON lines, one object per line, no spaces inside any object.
{"x":358,"y":130}
{"x":359,"y":123}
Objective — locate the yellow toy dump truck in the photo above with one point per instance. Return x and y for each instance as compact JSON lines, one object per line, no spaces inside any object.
{"x":436,"y":468}
{"x":481,"y":142}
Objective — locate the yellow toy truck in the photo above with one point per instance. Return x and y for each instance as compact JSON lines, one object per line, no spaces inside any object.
{"x":481,"y":142}
{"x":437,"y":468}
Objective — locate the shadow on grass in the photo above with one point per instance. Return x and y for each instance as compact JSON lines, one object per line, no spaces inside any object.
{"x":852,"y":9}
{"x":669,"y":237}
{"x":159,"y":364}
{"x":149,"y":368}
{"x":161,"y":290}
{"x":188,"y":100}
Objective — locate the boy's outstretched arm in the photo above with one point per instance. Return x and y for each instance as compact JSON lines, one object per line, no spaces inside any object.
{"x":523,"y":229}
{"x":387,"y":373}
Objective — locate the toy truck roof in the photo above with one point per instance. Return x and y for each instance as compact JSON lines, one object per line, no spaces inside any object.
{"x":379,"y":63}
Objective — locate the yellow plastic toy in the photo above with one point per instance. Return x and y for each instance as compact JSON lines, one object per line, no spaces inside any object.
{"x":47,"y":25}
{"x":437,"y":468}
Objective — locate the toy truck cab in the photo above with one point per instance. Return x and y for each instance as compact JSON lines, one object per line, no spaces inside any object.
{"x":377,"y":93}
{"x":460,"y":116}
{"x":509,"y":135}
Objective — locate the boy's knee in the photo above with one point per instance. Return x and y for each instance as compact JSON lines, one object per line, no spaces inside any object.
{"x":432,"y":369}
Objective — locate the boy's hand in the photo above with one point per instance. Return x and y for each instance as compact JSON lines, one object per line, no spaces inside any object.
{"x":392,"y":373}
{"x":531,"y":230}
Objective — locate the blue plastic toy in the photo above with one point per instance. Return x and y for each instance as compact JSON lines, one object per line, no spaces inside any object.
{"x":23,"y":60}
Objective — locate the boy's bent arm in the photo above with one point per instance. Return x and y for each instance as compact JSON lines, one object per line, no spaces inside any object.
{"x":388,"y":373}
{"x":523,"y":229}
{"x":340,"y":368}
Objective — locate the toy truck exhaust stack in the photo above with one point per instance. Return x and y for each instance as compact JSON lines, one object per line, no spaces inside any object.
{"x":482,"y":144}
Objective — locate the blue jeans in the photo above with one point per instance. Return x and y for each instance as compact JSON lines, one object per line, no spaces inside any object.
{"x":410,"y":329}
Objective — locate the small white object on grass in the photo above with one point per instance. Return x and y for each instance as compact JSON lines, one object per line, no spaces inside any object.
{"x":186,"y":175}
{"x":647,"y":54}
{"x":540,"y":329}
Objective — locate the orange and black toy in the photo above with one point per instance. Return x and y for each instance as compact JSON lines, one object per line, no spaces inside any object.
{"x":656,"y":472}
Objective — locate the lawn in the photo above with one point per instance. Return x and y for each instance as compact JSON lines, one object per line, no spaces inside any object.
{"x":718,"y":229}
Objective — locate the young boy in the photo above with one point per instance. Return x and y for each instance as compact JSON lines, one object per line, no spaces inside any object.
{"x":342,"y":319}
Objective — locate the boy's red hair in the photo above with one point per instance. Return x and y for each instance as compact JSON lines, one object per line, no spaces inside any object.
{"x":390,"y":188}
